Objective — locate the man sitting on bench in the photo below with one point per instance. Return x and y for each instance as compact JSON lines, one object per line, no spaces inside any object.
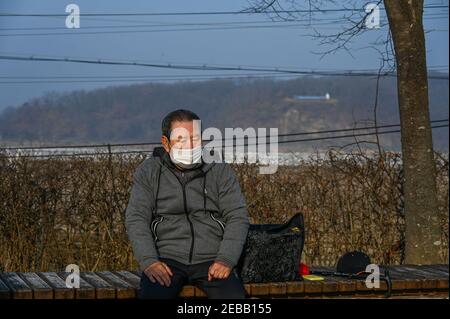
{"x":186,"y":219}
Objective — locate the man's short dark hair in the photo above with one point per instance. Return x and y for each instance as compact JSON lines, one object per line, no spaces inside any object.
{"x":176,"y":116}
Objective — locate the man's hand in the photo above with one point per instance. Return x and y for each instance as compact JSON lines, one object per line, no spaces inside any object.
{"x":160,"y":272}
{"x":218,"y":270}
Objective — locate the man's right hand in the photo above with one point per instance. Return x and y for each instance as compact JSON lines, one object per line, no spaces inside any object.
{"x":159,"y":271}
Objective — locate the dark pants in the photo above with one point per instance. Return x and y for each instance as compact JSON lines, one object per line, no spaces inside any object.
{"x":197,"y":275}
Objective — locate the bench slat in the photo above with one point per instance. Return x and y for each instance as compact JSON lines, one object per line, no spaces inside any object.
{"x":41,"y":290}
{"x":313,"y":287}
{"x":277,"y":289}
{"x":397,"y":280}
{"x":58,"y":285}
{"x":443,"y":267}
{"x":401,"y":278}
{"x":123,"y":289}
{"x":441,"y":276}
{"x":295,"y":288}
{"x":103,"y":290}
{"x":5,"y":292}
{"x":259,"y":289}
{"x":330,"y":284}
{"x":137,"y":273}
{"x":429,"y":280}
{"x":435,"y":270}
{"x":19,"y":289}
{"x":86,"y":290}
{"x":129,"y":277}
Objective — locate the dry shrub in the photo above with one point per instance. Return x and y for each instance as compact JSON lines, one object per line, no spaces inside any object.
{"x":58,"y":210}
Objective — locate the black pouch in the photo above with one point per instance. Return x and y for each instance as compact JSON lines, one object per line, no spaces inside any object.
{"x":272,"y":252}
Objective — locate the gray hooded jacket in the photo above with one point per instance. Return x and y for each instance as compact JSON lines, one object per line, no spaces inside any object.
{"x":191,"y":216}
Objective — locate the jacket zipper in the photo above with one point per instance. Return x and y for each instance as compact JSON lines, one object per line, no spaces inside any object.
{"x":190,"y":223}
{"x":191,"y":226}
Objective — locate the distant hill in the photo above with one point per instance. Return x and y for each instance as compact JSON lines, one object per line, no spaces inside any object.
{"x":133,"y":113}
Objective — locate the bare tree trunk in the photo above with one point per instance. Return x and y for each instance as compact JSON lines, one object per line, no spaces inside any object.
{"x":421,"y":206}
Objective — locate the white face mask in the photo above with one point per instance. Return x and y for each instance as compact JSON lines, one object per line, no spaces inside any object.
{"x":186,"y":157}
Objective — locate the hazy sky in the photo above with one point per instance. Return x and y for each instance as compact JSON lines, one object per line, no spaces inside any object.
{"x":287,"y":46}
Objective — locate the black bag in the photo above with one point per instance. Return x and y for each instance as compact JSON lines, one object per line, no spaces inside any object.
{"x":272,"y":252}
{"x":353,"y":262}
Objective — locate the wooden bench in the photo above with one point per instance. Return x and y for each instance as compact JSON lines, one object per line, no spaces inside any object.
{"x":407,"y":280}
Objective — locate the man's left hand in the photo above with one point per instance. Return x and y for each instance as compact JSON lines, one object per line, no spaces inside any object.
{"x":218,"y":270}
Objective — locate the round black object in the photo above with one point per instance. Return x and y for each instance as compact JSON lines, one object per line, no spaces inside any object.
{"x":353,"y":263}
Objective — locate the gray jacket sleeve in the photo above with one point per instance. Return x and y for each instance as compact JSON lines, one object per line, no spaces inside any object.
{"x":234,"y":214}
{"x":138,"y":217}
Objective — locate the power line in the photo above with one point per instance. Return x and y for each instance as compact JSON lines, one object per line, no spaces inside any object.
{"x":158,"y":143}
{"x":147,"y":21}
{"x":317,"y":21}
{"x":70,"y":32}
{"x":157,"y":78}
{"x":180,"y":30}
{"x":245,"y":12}
{"x":198,"y":67}
{"x":32,"y":56}
{"x":116,"y":14}
{"x":169,"y":79}
{"x":351,"y":135}
{"x":79,"y":154}
{"x":162,"y":76}
{"x":332,"y":21}
{"x":246,"y":144}
{"x":438,"y":67}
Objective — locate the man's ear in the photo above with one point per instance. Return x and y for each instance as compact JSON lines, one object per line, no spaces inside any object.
{"x":165,"y":143}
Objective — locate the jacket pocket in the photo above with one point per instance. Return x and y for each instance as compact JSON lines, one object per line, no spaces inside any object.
{"x":221,"y":223}
{"x":154,"y":227}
